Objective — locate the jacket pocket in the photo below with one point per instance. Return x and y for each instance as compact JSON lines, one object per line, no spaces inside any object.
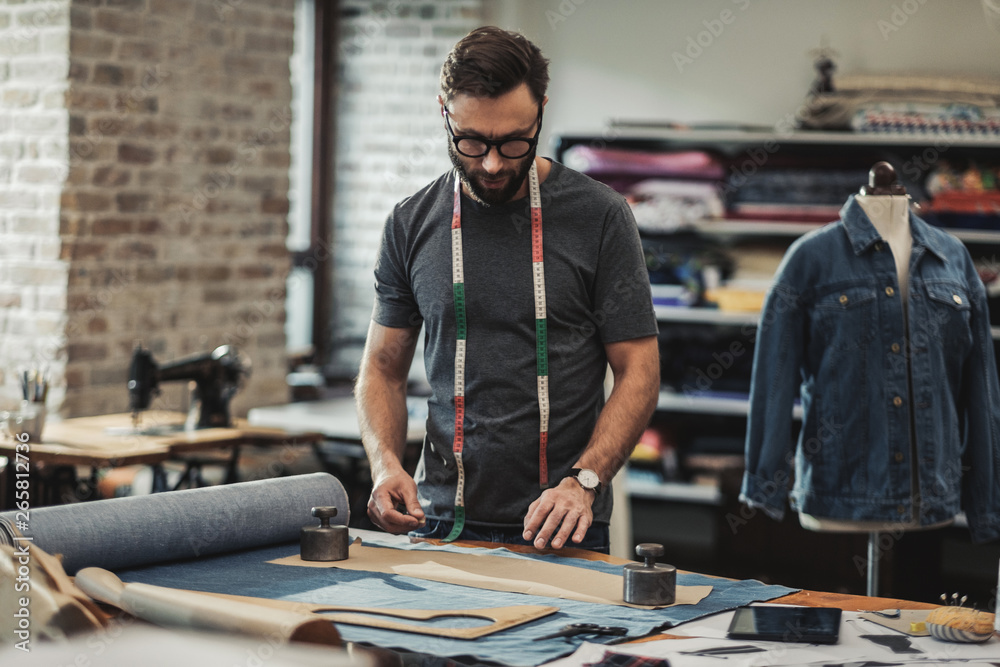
{"x":845,"y":318}
{"x":948,"y":314}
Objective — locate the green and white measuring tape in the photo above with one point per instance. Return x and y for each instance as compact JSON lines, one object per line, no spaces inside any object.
{"x":461,"y":335}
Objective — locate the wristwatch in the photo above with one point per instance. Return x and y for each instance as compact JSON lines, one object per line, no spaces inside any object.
{"x":587,"y":478}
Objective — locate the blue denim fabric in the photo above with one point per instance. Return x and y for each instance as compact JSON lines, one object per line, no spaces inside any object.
{"x":251,"y":573}
{"x":833,"y":328}
{"x":126,"y":532}
{"x":598,"y":537}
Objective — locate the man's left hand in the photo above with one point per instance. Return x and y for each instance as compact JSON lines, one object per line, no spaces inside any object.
{"x":560,"y":513}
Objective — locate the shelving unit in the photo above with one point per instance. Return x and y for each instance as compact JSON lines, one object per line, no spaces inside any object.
{"x":700,"y":419}
{"x":733,"y":406}
{"x":704,"y":315}
{"x":625,"y":130}
{"x":776,"y":228}
{"x":645,"y":486}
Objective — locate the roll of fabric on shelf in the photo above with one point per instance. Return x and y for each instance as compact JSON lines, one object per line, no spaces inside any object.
{"x":126,"y":532}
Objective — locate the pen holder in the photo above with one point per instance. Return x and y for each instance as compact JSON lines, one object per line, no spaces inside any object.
{"x":26,"y":423}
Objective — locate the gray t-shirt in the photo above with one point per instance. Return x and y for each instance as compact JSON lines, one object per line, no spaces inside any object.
{"x":597,"y":292}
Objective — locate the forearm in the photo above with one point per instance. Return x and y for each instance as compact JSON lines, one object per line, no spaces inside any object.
{"x":622,"y":421}
{"x":380,"y":396}
{"x":563,"y":511}
{"x":382,"y":418}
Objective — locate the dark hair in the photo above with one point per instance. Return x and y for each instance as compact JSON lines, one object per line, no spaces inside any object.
{"x":490,"y":62}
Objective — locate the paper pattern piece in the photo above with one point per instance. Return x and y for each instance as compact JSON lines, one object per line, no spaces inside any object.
{"x":496,"y":573}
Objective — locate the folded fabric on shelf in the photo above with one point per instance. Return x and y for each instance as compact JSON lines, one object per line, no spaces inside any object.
{"x":595,"y":161}
{"x":661,"y":205}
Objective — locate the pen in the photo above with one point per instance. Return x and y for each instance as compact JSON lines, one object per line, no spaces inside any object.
{"x":726,"y":650}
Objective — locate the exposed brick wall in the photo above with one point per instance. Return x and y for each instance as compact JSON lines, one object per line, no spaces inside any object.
{"x":390,"y":138}
{"x":172,"y":219}
{"x":33,"y":164}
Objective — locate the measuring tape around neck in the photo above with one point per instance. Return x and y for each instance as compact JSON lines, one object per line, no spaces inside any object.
{"x":461,"y":334}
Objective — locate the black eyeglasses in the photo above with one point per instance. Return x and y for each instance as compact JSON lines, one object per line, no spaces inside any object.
{"x":475,"y":146}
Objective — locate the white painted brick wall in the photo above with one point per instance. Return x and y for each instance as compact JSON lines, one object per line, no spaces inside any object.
{"x":34,"y":161}
{"x":390,"y":138}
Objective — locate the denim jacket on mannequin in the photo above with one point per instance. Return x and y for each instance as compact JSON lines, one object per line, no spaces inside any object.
{"x":832,"y":330}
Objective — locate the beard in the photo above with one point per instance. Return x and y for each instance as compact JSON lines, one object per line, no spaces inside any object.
{"x":473,"y":179}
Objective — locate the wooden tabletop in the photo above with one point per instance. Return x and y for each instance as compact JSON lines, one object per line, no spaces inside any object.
{"x":46,"y":454}
{"x":111,"y":440}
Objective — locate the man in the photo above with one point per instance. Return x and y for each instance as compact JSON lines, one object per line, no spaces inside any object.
{"x":529,"y":280}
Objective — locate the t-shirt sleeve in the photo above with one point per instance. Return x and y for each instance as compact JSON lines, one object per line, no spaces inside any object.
{"x":622,"y":295}
{"x":395,"y":305}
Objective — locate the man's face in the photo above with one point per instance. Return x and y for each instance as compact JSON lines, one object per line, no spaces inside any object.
{"x":493,"y":179}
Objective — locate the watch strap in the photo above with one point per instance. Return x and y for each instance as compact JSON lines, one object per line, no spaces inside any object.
{"x":575,"y":474}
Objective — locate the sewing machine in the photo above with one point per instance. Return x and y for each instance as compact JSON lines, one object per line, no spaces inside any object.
{"x":217,"y":375}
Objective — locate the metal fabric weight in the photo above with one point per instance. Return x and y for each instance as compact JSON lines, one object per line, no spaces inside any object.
{"x":324,"y":542}
{"x":649,"y":583}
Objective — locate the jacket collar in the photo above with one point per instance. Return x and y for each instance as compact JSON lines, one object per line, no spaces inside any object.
{"x":862,"y":233}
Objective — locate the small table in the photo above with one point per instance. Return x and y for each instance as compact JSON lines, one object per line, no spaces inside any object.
{"x":110,"y":441}
{"x":341,"y":451}
{"x":335,"y":418}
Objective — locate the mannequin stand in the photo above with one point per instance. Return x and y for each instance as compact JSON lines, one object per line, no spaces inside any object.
{"x":873,"y":558}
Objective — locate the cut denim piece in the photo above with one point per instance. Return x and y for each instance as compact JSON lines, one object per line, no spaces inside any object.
{"x":250,"y":573}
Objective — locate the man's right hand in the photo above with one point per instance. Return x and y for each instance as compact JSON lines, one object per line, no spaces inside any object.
{"x":393,"y":505}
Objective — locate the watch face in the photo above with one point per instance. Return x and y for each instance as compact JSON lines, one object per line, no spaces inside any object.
{"x":588,"y":478}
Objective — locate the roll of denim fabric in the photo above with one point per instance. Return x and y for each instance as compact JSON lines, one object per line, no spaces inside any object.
{"x":125,"y":532}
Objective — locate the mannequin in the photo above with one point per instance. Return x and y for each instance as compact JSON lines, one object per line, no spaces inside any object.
{"x":887,"y":206}
{"x":879,"y":324}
